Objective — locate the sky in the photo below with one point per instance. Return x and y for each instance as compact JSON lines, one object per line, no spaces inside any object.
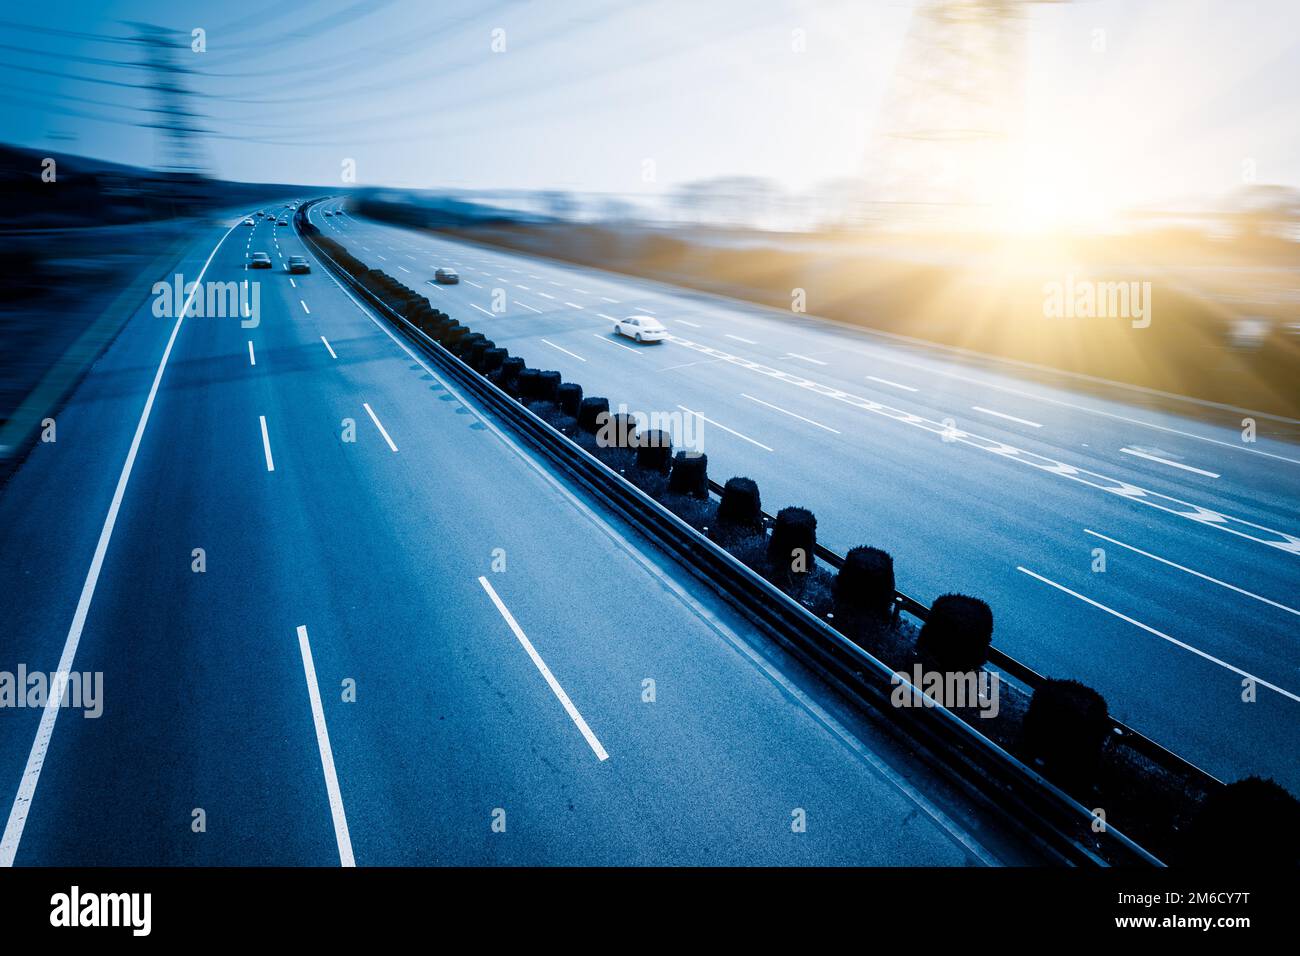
{"x":1144,"y":102}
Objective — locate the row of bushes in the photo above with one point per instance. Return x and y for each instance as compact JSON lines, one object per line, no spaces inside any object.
{"x":1065,"y":728}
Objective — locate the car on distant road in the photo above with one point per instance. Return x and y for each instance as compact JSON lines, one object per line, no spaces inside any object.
{"x":328,"y":213}
{"x":297,"y":264}
{"x":250,"y":222}
{"x":446,"y":277}
{"x":282,"y":222}
{"x":642,"y":328}
{"x":259,"y":260}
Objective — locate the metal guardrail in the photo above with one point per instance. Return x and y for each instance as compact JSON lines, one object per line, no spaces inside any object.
{"x":1055,"y":820}
{"x":1125,"y":735}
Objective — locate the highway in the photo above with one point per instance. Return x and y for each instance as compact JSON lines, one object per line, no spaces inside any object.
{"x":403,"y":640}
{"x":978,"y":477}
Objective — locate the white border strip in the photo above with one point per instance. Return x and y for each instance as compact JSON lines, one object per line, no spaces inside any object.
{"x":341,"y":834}
{"x":546,"y":672}
{"x":1151,"y":630}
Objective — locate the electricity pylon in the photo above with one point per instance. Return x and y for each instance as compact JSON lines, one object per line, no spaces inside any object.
{"x":179,"y":151}
{"x":947,"y":140}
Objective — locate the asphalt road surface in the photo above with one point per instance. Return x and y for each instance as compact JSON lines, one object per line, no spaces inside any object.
{"x":403,"y":640}
{"x":978,"y":477}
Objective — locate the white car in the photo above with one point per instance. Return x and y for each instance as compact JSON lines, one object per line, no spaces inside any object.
{"x":249,"y":222}
{"x":642,"y":328}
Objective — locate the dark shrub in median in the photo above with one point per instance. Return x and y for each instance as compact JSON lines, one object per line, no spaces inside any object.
{"x":1253,"y":822}
{"x":547,"y":383}
{"x":525,"y":383}
{"x":569,"y":397}
{"x":794,"y":537}
{"x":865,"y":584}
{"x":618,"y":431}
{"x":690,"y":475}
{"x":510,"y":369}
{"x":492,"y":359}
{"x":591,"y":412}
{"x":654,"y":450}
{"x":1066,"y":727}
{"x":741,"y":504}
{"x":956,"y":635}
{"x":467,"y":342}
{"x":474,"y":355}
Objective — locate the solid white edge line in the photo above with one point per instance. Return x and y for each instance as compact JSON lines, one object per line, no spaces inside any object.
{"x":1010,"y":418}
{"x":266,"y":444}
{"x":26,"y":792}
{"x":1165,"y":461}
{"x":554,"y":684}
{"x":328,"y":347}
{"x":341,"y":835}
{"x":1204,"y":577}
{"x":786,"y":411}
{"x":375,"y":419}
{"x":847,"y":738}
{"x":1161,"y":634}
{"x":724,"y":427}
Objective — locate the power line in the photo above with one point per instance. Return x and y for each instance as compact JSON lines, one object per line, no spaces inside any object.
{"x":179,"y":149}
{"x":378,"y":54}
{"x":71,"y":34}
{"x":347,"y":15}
{"x":73,"y":76}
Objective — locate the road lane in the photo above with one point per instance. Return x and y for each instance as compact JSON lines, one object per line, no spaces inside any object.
{"x":957,"y":518}
{"x":212,"y":747}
